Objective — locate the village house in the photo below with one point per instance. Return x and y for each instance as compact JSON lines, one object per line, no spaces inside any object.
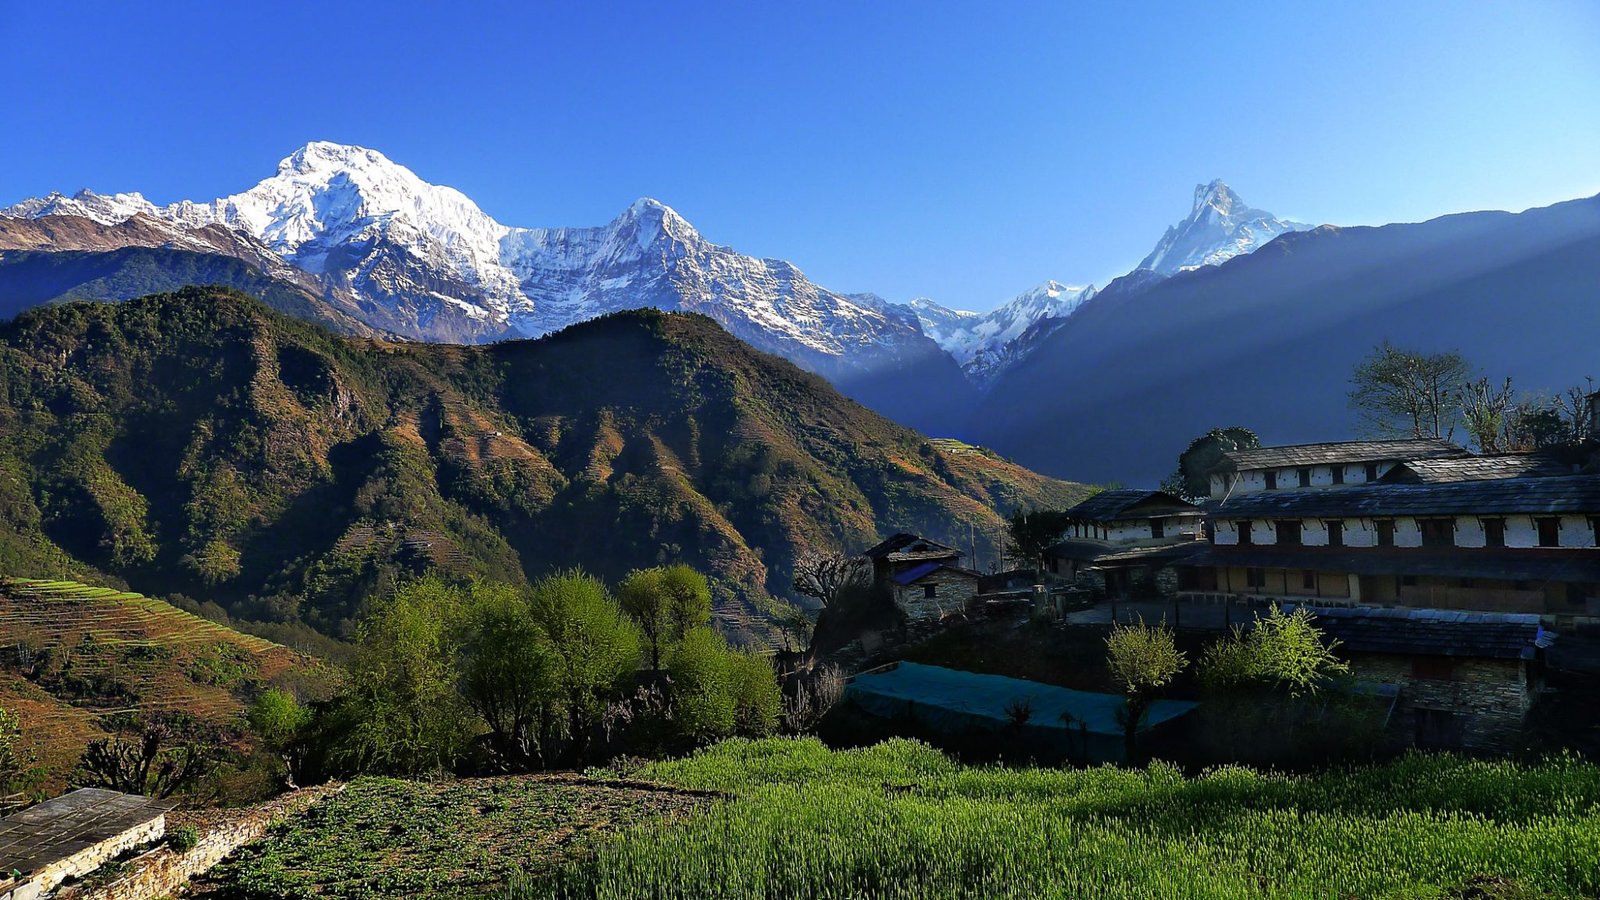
{"x":1328,"y":465}
{"x":1466,"y":680}
{"x":1127,"y":541}
{"x":924,"y":578}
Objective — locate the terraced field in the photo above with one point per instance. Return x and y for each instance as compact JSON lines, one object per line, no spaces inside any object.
{"x":76,"y":659}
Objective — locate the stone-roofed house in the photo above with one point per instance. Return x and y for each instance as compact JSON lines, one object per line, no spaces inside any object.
{"x":1466,"y":680}
{"x":1327,"y":465}
{"x":72,"y":835}
{"x":924,"y":578}
{"x":1125,"y":541}
{"x":1494,"y":467}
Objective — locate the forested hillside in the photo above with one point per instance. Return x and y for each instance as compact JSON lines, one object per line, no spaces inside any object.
{"x":199,"y":443}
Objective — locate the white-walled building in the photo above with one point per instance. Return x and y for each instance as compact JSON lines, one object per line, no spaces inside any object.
{"x":1302,"y":466}
{"x":1127,"y":537}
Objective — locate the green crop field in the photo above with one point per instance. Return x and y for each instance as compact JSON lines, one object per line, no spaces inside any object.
{"x":384,"y":837}
{"x":899,"y":820}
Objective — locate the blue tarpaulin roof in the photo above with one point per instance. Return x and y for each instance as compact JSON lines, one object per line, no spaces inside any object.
{"x":968,"y":695}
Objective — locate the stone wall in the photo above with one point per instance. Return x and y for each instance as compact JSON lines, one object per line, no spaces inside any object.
{"x":163,"y":871}
{"x":953,"y":593}
{"x":85,"y":861}
{"x":1491,"y":695}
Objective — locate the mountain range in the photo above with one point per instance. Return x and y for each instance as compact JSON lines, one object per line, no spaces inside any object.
{"x":388,"y":253}
{"x":199,"y":443}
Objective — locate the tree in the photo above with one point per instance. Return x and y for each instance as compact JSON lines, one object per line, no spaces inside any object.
{"x":1030,"y":534}
{"x":1142,"y":660}
{"x":20,"y":772}
{"x":1192,"y":481}
{"x":1404,"y":393}
{"x":829,"y":578}
{"x":757,"y":699}
{"x":280,"y":722}
{"x":508,"y":672}
{"x":158,"y":763}
{"x":1488,"y":413}
{"x":1285,"y":651}
{"x":702,"y":688}
{"x":596,"y":648}
{"x":406,"y":714}
{"x":645,"y":599}
{"x":688,"y":599}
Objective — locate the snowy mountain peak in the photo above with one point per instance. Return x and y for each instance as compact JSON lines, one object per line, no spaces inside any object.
{"x":107,"y":209}
{"x":1220,"y":226}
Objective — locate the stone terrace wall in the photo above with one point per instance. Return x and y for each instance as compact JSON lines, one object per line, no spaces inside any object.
{"x":162,"y":871}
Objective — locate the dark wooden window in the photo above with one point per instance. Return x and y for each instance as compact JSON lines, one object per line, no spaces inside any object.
{"x":1372,"y":471}
{"x":1244,"y":531}
{"x":1438,"y":532}
{"x":1256,"y":578}
{"x":1408,"y":581}
{"x":1385,"y":529}
{"x":1272,"y":480}
{"x":1494,"y":532}
{"x":1308,"y":580}
{"x":1549,"y":531}
{"x":1438,"y":729}
{"x":1336,"y":533}
{"x":1289,"y":533}
{"x":1305,"y":477}
{"x":1338,"y":474}
{"x":1157,"y":529}
{"x":929,"y":591}
{"x":1433,"y":668}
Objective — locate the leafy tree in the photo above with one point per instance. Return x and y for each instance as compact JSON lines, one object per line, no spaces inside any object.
{"x":1404,"y":393}
{"x":279,"y":719}
{"x":20,"y":772}
{"x":702,"y":686}
{"x":688,"y":599}
{"x":407,"y":716}
{"x":596,"y":648}
{"x":1142,"y":659}
{"x":1030,"y":534}
{"x":1192,"y":481}
{"x":508,"y":671}
{"x":1285,"y":651}
{"x":757,"y":699}
{"x":643,"y":597}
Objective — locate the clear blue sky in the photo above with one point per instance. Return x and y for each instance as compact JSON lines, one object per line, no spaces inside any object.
{"x":959,"y":151}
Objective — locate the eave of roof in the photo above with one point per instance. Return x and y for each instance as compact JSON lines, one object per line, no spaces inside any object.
{"x":1531,"y":496}
{"x":1337,"y":452}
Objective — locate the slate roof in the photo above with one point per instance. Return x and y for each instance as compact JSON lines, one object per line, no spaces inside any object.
{"x":1109,"y":506}
{"x":1564,"y":566}
{"x":1434,"y":632}
{"x":1564,"y":494}
{"x":917,"y":573}
{"x":1478,"y":468}
{"x":58,"y":828}
{"x":897,"y":544}
{"x":1340,"y":452}
{"x":1100,"y":553}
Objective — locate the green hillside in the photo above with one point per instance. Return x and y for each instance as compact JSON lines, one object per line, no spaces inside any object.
{"x":198,"y":443}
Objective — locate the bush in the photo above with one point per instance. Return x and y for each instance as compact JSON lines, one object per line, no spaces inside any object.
{"x":183,"y":839}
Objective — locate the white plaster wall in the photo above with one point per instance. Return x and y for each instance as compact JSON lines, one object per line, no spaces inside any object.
{"x":1469,"y":532}
{"x":1314,"y":533}
{"x":1263,"y":533}
{"x":1226,"y":532}
{"x":1360,"y":533}
{"x":1576,"y":531}
{"x":1407,"y":533}
{"x":1521,"y":532}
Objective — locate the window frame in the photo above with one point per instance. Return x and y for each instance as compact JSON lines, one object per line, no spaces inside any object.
{"x":1304,"y":475}
{"x":1335,"y":529}
{"x":1494,"y":532}
{"x":1384,"y":529}
{"x":1271,"y":478}
{"x":1280,"y":527}
{"x":1540,"y":523}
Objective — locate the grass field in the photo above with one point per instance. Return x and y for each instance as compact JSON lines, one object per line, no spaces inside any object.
{"x":899,"y":820}
{"x":384,"y":837}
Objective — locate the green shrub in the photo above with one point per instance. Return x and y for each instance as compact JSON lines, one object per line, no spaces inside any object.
{"x":183,"y":839}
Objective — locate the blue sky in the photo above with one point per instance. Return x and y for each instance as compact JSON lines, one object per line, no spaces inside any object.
{"x":959,"y":151}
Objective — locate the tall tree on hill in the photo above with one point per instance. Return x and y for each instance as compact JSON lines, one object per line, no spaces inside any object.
{"x":1192,"y":481}
{"x":1404,"y":393}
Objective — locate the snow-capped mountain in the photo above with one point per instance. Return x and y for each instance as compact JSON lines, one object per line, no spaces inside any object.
{"x":1219,"y":228}
{"x":981,"y":342}
{"x":427,"y":263}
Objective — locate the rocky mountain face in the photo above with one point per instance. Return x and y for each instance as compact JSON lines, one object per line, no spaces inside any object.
{"x":1268,"y":340}
{"x":1220,"y":227}
{"x":199,"y":443}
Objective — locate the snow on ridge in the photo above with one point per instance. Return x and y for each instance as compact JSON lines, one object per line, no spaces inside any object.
{"x":1219,"y":227}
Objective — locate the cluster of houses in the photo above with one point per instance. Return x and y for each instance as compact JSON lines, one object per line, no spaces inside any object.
{"x":1438,"y":571}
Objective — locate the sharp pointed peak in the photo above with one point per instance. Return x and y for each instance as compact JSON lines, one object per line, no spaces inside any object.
{"x":323,"y":155}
